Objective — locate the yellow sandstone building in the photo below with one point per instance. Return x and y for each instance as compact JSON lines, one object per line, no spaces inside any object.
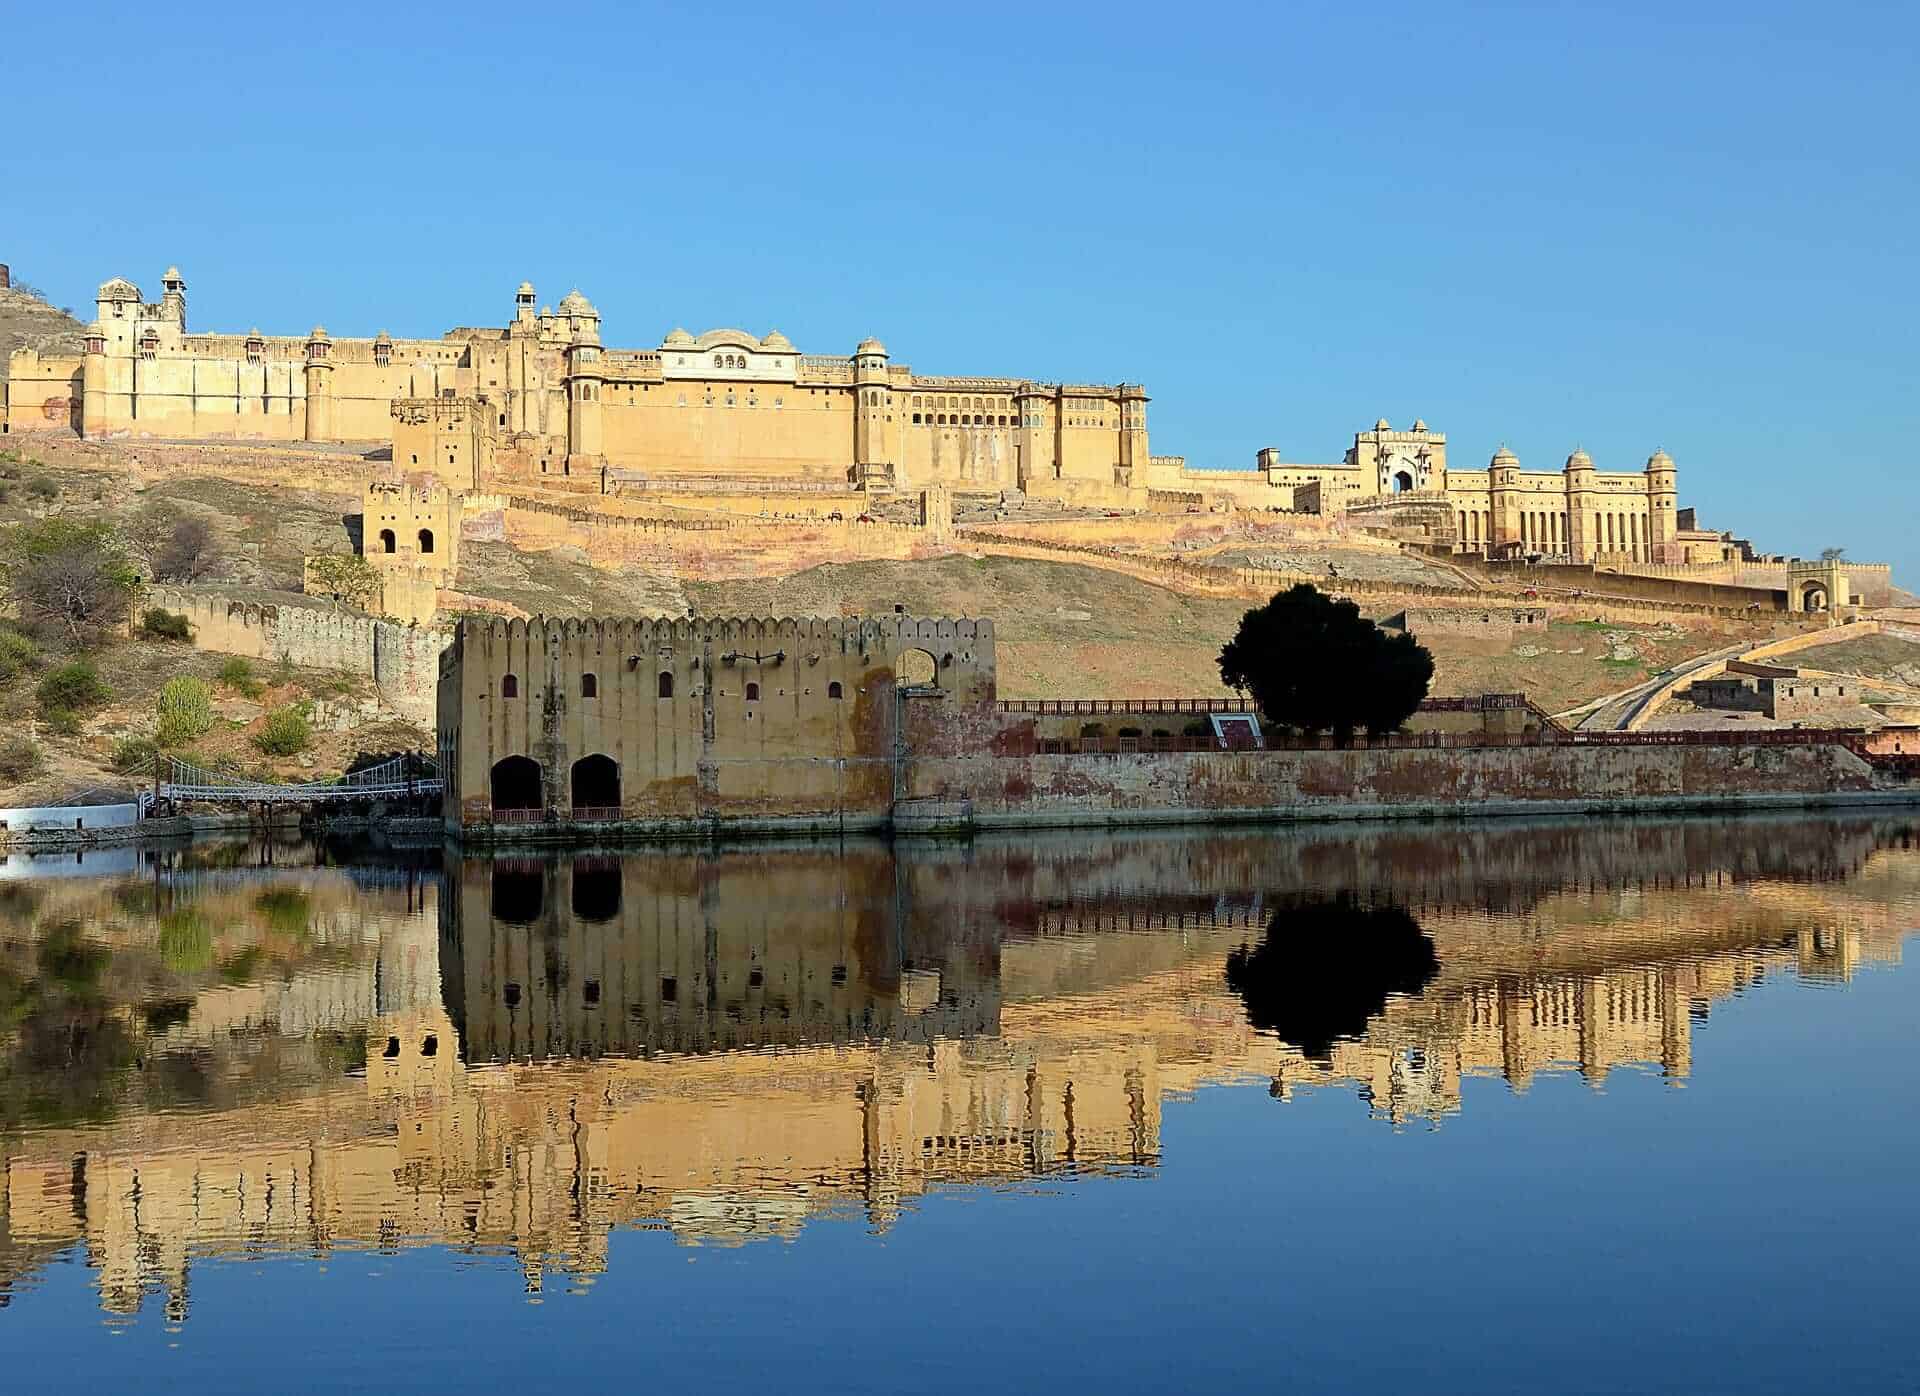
{"x":544,"y":400}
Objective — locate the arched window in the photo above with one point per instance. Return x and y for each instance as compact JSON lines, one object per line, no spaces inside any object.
{"x":510,"y":686}
{"x":833,"y":689}
{"x":387,"y":540}
{"x":426,"y":540}
{"x":589,"y":685}
{"x":666,"y":684}
{"x":753,"y":693}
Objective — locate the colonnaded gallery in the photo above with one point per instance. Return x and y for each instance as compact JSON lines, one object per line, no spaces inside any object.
{"x":733,"y":411}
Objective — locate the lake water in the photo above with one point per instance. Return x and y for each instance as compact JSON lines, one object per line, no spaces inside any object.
{"x":1562,"y":1106}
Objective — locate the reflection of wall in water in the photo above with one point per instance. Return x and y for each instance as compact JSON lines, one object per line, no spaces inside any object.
{"x":589,"y":955}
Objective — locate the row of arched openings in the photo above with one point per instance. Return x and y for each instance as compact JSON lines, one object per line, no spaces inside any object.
{"x":389,"y":543}
{"x":517,"y":783}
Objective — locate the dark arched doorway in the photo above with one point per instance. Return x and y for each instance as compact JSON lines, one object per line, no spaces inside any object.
{"x":1402,"y":482}
{"x":516,"y":784}
{"x":426,"y":540}
{"x":387,"y":541}
{"x":596,"y":889}
{"x":596,"y":788}
{"x":1813,"y":597}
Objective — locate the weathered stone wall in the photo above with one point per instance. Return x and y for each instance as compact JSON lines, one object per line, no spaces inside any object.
{"x":402,"y":660}
{"x":702,"y":719}
{"x":1148,"y":787}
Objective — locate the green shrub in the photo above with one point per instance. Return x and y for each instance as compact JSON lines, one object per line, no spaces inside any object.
{"x":75,"y":687}
{"x":133,"y":753}
{"x":40,"y":487}
{"x":18,"y":653}
{"x":185,"y":711}
{"x":286,"y":732}
{"x":20,"y":759}
{"x":237,"y":675}
{"x":159,"y":624}
{"x":283,"y":671}
{"x":64,"y":721}
{"x":1199,"y":727}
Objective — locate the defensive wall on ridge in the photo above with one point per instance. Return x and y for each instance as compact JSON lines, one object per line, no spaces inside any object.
{"x":402,"y":660}
{"x":1872,"y":582}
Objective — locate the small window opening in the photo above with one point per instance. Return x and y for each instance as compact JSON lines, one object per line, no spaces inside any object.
{"x":753,"y":693}
{"x":387,"y":541}
{"x":510,"y":686}
{"x":589,"y":686}
{"x":393,"y":1048}
{"x":666,"y":685}
{"x":669,"y":989}
{"x":430,"y":1045}
{"x":833,"y":689}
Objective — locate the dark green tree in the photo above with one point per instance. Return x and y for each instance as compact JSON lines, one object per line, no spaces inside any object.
{"x":1317,"y":665}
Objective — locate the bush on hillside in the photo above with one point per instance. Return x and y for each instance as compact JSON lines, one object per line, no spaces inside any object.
{"x":133,"y":753}
{"x":185,"y":711}
{"x":286,"y":732}
{"x":18,"y":653}
{"x":237,"y":675}
{"x":76,"y":687}
{"x":159,"y":624}
{"x":20,"y":759}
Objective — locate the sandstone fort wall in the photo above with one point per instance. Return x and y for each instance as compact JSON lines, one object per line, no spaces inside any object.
{"x":403,"y":661}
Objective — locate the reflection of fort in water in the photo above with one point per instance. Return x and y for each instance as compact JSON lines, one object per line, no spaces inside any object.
{"x":726,"y":1044}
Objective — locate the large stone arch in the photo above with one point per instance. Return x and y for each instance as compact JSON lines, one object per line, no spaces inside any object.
{"x":595,"y":784}
{"x":516,"y":783}
{"x":916,"y":668}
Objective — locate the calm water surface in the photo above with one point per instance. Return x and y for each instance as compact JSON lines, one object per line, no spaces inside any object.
{"x":1572,"y":1106}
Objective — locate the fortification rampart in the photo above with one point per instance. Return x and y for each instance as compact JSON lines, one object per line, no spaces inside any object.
{"x":402,"y":660}
{"x":1872,"y":582}
{"x":713,"y":548}
{"x":1257,"y":584}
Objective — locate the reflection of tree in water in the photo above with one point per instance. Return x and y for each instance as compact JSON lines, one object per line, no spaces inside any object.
{"x":1326,"y":966}
{"x":67,"y":1044}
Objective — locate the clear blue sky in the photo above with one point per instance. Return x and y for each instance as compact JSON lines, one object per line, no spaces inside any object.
{"x":1617,"y":226}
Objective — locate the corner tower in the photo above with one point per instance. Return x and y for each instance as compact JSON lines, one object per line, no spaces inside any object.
{"x":872,"y":393}
{"x":1503,"y":486}
{"x":319,"y":385}
{"x":1581,"y":543}
{"x":586,"y":376}
{"x":1663,"y":501}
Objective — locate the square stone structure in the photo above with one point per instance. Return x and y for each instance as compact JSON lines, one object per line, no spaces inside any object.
{"x":785,"y":724}
{"x":1773,"y":691}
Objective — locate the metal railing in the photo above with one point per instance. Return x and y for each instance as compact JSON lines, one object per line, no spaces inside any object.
{"x":183,"y":782}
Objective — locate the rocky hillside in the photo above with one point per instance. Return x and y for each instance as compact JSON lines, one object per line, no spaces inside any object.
{"x":28,"y":322}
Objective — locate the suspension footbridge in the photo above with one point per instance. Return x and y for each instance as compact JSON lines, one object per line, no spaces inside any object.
{"x":410,"y":777}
